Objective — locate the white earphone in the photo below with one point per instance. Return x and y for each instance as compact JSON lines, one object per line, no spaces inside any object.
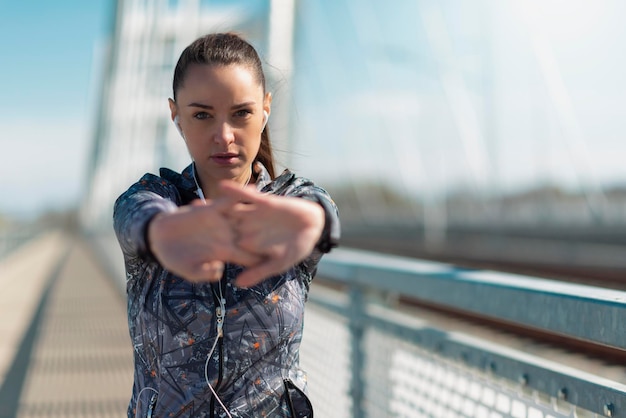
{"x":266,"y":116}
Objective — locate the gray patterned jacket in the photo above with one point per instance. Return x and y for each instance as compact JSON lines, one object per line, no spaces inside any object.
{"x":254,"y":366}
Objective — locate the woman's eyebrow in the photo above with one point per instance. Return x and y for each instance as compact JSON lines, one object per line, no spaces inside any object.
{"x":244,"y":104}
{"x":200,"y":105}
{"x":233,"y":107}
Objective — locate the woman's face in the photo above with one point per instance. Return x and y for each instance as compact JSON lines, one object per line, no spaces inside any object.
{"x":220,"y":112}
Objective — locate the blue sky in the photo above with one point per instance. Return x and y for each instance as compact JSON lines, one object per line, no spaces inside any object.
{"x":48,"y":54}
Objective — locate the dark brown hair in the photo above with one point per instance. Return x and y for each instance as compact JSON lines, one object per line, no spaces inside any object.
{"x":226,"y":49}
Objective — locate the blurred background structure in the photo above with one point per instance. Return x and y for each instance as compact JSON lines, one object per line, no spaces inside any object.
{"x":484,"y":134}
{"x":431,"y":124}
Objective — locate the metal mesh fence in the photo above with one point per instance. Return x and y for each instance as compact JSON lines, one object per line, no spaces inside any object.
{"x":325,"y":356}
{"x":418,"y":383}
{"x":401,"y":379}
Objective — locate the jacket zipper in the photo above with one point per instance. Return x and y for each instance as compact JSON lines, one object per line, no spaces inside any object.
{"x":220,"y":313}
{"x":153,"y":402}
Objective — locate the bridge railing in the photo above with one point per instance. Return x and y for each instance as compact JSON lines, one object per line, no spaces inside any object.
{"x":12,"y":238}
{"x":369,"y":357}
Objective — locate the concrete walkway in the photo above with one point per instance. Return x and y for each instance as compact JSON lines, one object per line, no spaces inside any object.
{"x":65,"y":349}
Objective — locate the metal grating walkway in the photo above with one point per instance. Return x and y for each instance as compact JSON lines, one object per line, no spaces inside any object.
{"x":80,"y":362}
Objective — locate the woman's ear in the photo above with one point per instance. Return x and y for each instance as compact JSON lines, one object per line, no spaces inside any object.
{"x":174,"y":115}
{"x":267,"y":104}
{"x":173,"y":109}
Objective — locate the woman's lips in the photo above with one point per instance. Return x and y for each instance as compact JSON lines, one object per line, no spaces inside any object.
{"x":226,"y":158}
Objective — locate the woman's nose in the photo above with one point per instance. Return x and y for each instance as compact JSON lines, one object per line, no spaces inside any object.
{"x":224,"y":133}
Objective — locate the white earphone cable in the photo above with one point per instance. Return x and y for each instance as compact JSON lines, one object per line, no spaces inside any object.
{"x":220,"y":313}
{"x":139,"y":397}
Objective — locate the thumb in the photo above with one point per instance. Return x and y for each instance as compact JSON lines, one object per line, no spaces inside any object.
{"x":198,"y":202}
{"x":223,"y":204}
{"x":234,"y":191}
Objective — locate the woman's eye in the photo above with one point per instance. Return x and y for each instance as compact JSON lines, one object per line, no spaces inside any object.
{"x":201,"y":115}
{"x":242,"y":113}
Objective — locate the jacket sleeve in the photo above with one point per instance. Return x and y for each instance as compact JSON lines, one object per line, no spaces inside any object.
{"x":134,"y":209}
{"x":332,"y":230}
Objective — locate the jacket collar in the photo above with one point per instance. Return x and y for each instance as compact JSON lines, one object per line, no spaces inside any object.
{"x":186,"y":184}
{"x":263,"y":176}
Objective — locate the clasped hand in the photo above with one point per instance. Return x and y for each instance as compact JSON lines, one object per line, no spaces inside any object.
{"x":266,"y":233}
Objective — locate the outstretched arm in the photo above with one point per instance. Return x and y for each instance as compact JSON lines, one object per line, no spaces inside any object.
{"x":191,"y":241}
{"x":283,"y":230}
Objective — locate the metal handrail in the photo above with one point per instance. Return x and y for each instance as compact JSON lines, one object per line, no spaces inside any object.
{"x":587,"y":313}
{"x":577,"y":311}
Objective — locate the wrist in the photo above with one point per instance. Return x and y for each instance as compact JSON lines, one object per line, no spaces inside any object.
{"x":151,"y":235}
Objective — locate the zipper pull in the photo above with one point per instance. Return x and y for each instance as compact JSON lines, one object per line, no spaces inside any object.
{"x":220,"y":312}
{"x":220,"y":325}
{"x":153,"y":402}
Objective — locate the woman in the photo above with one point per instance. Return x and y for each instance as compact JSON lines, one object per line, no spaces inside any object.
{"x":219,"y":258}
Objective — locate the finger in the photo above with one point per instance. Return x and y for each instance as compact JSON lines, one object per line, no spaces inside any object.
{"x":240,"y":212}
{"x":208,"y":271}
{"x":260,"y":272}
{"x":252,"y":240}
{"x":223,"y":204}
{"x":198,"y":202}
{"x":244,"y":258}
{"x":243,"y":208}
{"x":247,"y":194}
